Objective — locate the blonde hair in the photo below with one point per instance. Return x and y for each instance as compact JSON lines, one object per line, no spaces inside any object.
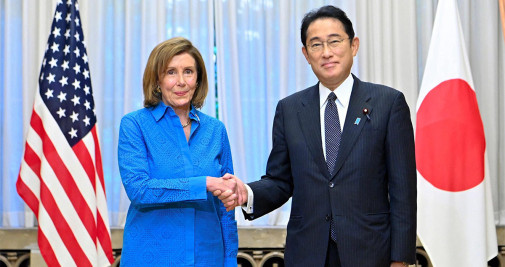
{"x":158,"y":62}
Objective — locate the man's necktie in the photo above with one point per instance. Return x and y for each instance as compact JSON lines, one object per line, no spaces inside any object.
{"x":332,"y":134}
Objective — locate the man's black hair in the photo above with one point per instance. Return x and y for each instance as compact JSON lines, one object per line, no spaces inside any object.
{"x":326,"y":12}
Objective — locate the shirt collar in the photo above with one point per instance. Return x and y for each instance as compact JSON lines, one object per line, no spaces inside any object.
{"x":343,"y":92}
{"x":161,"y":109}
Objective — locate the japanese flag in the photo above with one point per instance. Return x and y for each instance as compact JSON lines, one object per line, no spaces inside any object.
{"x":455,"y":213}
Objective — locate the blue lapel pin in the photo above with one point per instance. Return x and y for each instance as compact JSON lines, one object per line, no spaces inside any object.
{"x":357,"y":121}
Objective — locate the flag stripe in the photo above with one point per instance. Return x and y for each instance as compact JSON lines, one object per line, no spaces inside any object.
{"x":65,"y":178}
{"x":98,"y":159}
{"x":86,"y":239}
{"x":102,"y":227}
{"x":54,"y":242}
{"x":62,"y":227}
{"x":28,"y":196}
{"x":33,"y":162}
{"x":69,"y":225}
{"x":103,"y":236}
{"x":71,"y":162}
{"x":46,"y":250}
{"x":62,"y":204}
{"x":84,"y":157}
{"x":32,"y":159}
{"x":74,"y":222}
{"x":43,"y":216}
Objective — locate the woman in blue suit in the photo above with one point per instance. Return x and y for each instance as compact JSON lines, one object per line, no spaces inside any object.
{"x":170,"y":155}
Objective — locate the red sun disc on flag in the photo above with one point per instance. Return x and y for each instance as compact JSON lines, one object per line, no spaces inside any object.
{"x":450,"y":141}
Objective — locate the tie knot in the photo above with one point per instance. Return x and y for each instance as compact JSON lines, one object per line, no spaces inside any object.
{"x":332,"y":96}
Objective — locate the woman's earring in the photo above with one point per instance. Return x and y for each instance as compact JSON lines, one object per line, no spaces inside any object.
{"x":158,"y":89}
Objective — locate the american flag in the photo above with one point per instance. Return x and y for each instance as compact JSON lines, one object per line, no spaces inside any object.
{"x":61,"y":177}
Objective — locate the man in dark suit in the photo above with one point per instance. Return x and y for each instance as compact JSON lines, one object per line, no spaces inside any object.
{"x":343,"y":149}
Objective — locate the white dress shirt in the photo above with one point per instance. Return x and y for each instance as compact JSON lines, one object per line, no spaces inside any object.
{"x":343,"y":97}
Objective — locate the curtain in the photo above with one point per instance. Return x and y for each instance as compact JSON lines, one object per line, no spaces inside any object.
{"x":253,"y":50}
{"x":388,"y":46}
{"x":11,"y":111}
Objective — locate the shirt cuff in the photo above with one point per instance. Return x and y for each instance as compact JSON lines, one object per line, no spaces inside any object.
{"x":249,"y":207}
{"x":198,"y":188}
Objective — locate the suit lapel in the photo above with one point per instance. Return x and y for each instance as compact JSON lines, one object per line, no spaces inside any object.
{"x":310,"y":124}
{"x":359,"y":101}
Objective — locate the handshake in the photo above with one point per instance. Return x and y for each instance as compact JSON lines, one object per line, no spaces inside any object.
{"x":229,"y":189}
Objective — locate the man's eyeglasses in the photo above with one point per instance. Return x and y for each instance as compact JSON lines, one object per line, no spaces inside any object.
{"x":333,"y":43}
